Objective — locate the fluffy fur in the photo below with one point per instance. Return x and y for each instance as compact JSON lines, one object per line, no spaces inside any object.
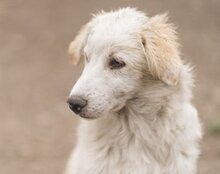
{"x":141,"y":117}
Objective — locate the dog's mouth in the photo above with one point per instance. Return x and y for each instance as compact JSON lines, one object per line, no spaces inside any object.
{"x":82,"y":115}
{"x":85,"y":114}
{"x":88,"y":114}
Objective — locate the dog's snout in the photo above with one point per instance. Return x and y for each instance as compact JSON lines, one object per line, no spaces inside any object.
{"x":76,"y":104}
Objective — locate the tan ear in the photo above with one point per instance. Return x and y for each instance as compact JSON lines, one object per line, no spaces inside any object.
{"x":161,"y":49}
{"x":77,"y":45}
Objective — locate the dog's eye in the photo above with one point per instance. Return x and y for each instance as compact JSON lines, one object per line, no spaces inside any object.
{"x":115,"y":64}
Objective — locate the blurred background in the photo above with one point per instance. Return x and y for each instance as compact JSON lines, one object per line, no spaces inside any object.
{"x":37,"y":130}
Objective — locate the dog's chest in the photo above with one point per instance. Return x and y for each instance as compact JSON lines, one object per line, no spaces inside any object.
{"x":125,"y":153}
{"x":121,"y":160}
{"x":132,"y":147}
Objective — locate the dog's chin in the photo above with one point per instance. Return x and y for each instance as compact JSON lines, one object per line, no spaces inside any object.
{"x":88,"y":116}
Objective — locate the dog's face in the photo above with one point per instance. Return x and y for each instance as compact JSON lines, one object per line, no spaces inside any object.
{"x":121,"y":49}
{"x":112,"y":75}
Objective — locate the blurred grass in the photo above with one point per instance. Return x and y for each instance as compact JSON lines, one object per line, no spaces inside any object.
{"x":214,"y":127}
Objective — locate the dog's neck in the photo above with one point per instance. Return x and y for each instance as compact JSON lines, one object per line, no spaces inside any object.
{"x":136,"y":125}
{"x":141,"y":112}
{"x":147,"y":120}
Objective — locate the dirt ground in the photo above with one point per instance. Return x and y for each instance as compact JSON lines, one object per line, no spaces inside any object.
{"x":37,"y":130}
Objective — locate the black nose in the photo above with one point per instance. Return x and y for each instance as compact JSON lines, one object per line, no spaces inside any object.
{"x":76,"y":104}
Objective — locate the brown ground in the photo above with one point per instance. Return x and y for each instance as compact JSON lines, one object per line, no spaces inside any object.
{"x":37,"y":130}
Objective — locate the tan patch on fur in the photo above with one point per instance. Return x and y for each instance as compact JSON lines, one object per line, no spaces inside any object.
{"x":75,"y":47}
{"x":162,"y":49}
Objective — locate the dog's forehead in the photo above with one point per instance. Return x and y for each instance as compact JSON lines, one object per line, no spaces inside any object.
{"x":115,"y":28}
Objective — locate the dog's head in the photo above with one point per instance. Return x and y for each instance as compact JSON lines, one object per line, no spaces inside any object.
{"x":122,"y":50}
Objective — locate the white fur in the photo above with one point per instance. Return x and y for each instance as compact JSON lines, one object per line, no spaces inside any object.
{"x":143,"y":120}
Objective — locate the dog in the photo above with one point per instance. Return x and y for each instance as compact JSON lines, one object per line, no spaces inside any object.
{"x":134,"y":97}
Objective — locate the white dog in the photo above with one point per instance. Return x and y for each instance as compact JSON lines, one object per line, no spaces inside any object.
{"x":135,"y":93}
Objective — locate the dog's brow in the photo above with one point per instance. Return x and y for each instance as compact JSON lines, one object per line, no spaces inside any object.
{"x":118,"y":48}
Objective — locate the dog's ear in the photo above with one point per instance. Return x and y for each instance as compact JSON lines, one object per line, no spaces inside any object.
{"x":75,"y":50}
{"x":160,"y":45}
